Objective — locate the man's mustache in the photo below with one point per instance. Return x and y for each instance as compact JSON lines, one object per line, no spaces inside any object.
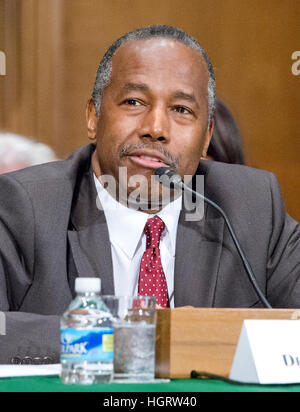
{"x":173,"y":161}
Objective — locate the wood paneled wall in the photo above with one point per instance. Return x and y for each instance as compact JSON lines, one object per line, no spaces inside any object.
{"x":53,"y":48}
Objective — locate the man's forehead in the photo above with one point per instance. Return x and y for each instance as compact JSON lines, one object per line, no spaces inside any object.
{"x":163,"y":47}
{"x":159,"y":54}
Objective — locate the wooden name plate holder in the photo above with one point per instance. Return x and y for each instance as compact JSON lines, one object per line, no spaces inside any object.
{"x":203,"y":339}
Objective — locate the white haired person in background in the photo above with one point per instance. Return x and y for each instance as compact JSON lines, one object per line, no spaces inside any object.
{"x":18,"y":152}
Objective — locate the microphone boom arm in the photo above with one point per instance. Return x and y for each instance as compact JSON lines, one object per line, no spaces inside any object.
{"x":176,"y":181}
{"x":237,"y":244}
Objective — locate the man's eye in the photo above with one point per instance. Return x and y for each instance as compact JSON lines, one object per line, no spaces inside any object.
{"x":132,"y":102}
{"x":182,"y":110}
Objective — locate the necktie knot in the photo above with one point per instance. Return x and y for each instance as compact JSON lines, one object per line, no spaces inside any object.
{"x":153,"y":231}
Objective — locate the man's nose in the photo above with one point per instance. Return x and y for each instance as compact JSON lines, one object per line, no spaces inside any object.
{"x":155,"y":124}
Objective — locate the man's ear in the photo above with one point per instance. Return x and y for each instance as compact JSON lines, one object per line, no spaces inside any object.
{"x":207,"y":140}
{"x":91,"y":119}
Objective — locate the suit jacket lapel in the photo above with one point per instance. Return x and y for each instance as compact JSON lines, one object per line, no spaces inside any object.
{"x":198,"y":254}
{"x":88,"y":235}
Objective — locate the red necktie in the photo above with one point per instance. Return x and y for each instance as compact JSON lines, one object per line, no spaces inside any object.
{"x":152,"y":280}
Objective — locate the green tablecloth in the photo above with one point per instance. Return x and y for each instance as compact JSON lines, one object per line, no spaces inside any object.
{"x":53,"y":384}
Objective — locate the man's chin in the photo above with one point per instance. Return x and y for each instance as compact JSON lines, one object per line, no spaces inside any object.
{"x":151,"y":203}
{"x":138,"y":189}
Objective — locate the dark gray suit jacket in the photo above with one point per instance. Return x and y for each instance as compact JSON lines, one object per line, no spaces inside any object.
{"x":51,"y":232}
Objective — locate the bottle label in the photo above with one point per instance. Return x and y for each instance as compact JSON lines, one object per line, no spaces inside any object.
{"x":93,"y":345}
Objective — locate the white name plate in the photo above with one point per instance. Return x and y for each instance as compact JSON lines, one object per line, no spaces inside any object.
{"x":268,"y":352}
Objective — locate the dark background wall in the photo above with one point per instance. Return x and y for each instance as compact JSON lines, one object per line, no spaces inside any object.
{"x":53,"y":48}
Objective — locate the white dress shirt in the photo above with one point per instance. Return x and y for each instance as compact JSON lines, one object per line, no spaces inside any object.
{"x":128,"y":241}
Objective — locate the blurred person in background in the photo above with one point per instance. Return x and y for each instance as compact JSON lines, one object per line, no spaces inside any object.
{"x":226,"y":144}
{"x":18,"y":152}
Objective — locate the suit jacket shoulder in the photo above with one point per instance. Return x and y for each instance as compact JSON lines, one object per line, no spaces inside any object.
{"x":35,"y":209}
{"x":270,"y":238}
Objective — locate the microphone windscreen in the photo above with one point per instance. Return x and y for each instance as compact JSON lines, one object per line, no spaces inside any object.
{"x":161,"y":171}
{"x":167,"y":177}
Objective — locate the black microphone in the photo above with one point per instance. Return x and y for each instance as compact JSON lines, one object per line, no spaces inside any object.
{"x":171,"y":179}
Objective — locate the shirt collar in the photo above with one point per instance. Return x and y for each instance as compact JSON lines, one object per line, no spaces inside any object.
{"x":126,"y":226}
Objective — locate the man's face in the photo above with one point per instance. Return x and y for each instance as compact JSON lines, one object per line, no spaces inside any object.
{"x":154,"y":111}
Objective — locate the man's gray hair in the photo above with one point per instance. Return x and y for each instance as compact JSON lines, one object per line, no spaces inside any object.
{"x":105,"y":67}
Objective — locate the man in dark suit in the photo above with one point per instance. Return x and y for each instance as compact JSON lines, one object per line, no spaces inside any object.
{"x":152,"y":106}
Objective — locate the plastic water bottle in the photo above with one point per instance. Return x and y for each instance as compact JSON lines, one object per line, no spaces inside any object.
{"x":87,"y":336}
